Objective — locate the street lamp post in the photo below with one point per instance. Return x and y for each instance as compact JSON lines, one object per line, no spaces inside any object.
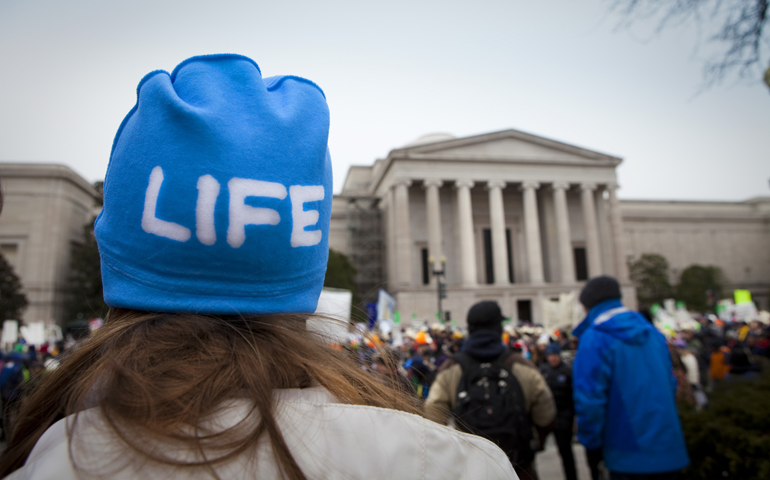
{"x":439,"y":273}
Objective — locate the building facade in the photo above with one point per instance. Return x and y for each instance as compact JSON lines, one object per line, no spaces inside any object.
{"x":45,"y":208}
{"x":734,"y":236}
{"x":519,"y":218}
{"x":506,"y":216}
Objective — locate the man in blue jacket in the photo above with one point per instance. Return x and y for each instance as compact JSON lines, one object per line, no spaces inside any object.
{"x":624,"y":390}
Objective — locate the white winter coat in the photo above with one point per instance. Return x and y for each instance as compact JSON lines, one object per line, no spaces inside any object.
{"x":329,"y":440}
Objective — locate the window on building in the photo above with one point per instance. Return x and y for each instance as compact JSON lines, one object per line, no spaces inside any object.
{"x":10,"y":252}
{"x":581,"y":265}
{"x":510,"y":254}
{"x":489,"y":264}
{"x":425,"y":267}
{"x":489,"y":267}
{"x":524,"y":309}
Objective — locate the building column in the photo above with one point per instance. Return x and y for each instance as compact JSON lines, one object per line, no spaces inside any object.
{"x":497,"y":224}
{"x":603,"y":227}
{"x":465,"y":224}
{"x":389,"y":208}
{"x":403,"y":232}
{"x":592,"y":231}
{"x":563,"y":235}
{"x":433,"y":214}
{"x":532,"y":232}
{"x":616,"y":219}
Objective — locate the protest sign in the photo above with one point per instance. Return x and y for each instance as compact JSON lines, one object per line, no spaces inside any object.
{"x":10,"y":332}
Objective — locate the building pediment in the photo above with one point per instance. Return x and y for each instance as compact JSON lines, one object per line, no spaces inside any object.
{"x":509,"y":155}
{"x":508,"y":146}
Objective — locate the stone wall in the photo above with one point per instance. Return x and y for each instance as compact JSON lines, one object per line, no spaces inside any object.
{"x":734,"y":236}
{"x":44,"y":211}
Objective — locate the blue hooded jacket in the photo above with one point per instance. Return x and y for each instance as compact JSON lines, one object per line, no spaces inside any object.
{"x":624,"y":391}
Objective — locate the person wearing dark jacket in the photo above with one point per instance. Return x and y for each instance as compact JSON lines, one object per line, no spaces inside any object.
{"x":485,"y":325}
{"x":558,"y":376}
{"x":624,"y":390}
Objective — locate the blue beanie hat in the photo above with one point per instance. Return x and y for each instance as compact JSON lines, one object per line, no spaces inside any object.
{"x":553,"y":349}
{"x":218,"y":194}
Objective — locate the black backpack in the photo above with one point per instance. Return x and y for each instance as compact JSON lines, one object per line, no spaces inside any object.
{"x":490,"y":403}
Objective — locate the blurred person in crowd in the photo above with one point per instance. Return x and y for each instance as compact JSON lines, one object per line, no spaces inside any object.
{"x":684,"y":392}
{"x":558,"y":376}
{"x":696,"y":344}
{"x":13,"y":375}
{"x":214,"y":244}
{"x":510,"y":385}
{"x":421,"y":370}
{"x":624,"y":390}
{"x":569,"y":351}
{"x":719,"y":365}
{"x":385,"y":366}
{"x":689,"y":361}
{"x":562,"y":338}
{"x":517,"y":353}
{"x":692,"y":374}
{"x":439,"y":349}
{"x":742,"y":363}
{"x":31,"y":355}
{"x":538,"y":353}
{"x":36,"y":372}
{"x":762,"y":347}
{"x":756,"y":345}
{"x":455,"y":346}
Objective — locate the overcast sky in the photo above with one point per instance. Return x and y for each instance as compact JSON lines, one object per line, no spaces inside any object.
{"x":394,"y":71}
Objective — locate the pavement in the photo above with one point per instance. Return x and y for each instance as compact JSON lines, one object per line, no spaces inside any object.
{"x":548,"y":462}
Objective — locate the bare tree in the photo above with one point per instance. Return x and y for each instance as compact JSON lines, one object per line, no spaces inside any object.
{"x":736,"y":26}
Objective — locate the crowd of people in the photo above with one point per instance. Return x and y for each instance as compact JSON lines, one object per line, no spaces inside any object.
{"x":705,"y":353}
{"x":704,"y":356}
{"x":23,"y":364}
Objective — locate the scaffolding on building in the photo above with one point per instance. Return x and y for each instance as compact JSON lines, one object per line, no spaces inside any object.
{"x":365,"y":245}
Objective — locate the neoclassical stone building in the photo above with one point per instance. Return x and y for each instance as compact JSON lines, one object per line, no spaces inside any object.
{"x":520,"y":218}
{"x":44,"y":210}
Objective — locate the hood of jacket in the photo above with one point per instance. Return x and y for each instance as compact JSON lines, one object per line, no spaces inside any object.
{"x":484,"y":345}
{"x":611,"y":317}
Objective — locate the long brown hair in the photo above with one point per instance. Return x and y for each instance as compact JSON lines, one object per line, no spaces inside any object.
{"x":154,"y":375}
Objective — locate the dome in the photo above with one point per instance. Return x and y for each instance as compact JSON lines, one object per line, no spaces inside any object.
{"x":430,"y":138}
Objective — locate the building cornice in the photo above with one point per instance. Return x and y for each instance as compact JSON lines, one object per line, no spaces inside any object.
{"x":684,"y":217}
{"x":657,"y":210}
{"x":503,"y":134}
{"x":47,"y":170}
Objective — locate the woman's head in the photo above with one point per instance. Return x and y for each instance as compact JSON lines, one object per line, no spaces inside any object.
{"x":214,"y":242}
{"x":218,"y":194}
{"x":153,"y":375}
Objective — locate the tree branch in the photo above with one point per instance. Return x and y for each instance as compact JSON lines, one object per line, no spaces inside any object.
{"x":740,"y":32}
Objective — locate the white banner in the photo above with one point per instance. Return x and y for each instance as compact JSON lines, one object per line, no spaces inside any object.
{"x":386,"y":305}
{"x":333,"y":321}
{"x":34,"y":333}
{"x":562,"y":313}
{"x":10,"y":332}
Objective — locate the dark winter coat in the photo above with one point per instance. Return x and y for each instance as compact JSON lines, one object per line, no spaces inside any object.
{"x":559,"y":380}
